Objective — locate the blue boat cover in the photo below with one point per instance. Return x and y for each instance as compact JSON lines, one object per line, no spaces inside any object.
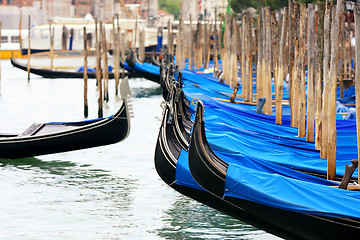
{"x":147,"y":68}
{"x":81,"y":69}
{"x":279,"y":191}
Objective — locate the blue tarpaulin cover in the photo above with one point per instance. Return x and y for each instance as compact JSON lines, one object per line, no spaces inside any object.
{"x":81,"y":69}
{"x":263,"y":157}
{"x":279,"y":191}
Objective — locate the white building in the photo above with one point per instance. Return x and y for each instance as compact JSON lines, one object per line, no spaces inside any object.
{"x":58,"y":8}
{"x":204,"y":9}
{"x":104,"y":9}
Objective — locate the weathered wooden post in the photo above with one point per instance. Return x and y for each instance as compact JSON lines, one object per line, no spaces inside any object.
{"x":281,"y":66}
{"x":169,"y":39}
{"x":51,"y":38}
{"x":98,"y":66}
{"x":207,"y":34}
{"x":205,"y":43}
{"x":357,"y":75}
{"x":215,"y":57}
{"x":341,"y":56}
{"x":122,"y":51}
{"x":220,"y":43}
{"x":234,"y":54}
{"x":291,"y":60}
{"x":268,"y":88}
{"x":142,"y":45}
{"x":243,"y":67}
{"x":227,"y":64}
{"x":318,"y":73}
{"x":196,"y":45}
{"x":297,"y":71}
{"x":274,"y":45}
{"x":190,"y":44}
{"x":98,"y":60}
{"x":115,"y":33}
{"x":86,"y":111}
{"x":210,"y":43}
{"x":350,"y":69}
{"x":179,"y":45}
{"x":200,"y":44}
{"x":311,"y":72}
{"x":332,"y":137}
{"x":301,"y":99}
{"x":28,"y":51}
{"x":260,"y":56}
{"x":118,"y":52}
{"x":325,"y":102}
{"x":250,"y":59}
{"x":105,"y":65}
{"x":63,"y":38}
{"x":136,"y":29}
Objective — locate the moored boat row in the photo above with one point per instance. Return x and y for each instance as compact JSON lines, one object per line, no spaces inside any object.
{"x":272,"y":195}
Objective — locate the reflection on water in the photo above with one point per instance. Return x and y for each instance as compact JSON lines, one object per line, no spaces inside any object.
{"x":189,"y":219}
{"x":90,"y":184}
{"x":146,"y":92}
{"x":31,"y":163}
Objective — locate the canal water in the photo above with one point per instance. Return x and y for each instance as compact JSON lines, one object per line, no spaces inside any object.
{"x":110,"y":192}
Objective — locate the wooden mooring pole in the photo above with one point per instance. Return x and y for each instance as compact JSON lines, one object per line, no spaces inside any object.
{"x":311,"y":72}
{"x":267,"y":58}
{"x":115,"y":33}
{"x":295,"y":84}
{"x":325,"y":101}
{"x":291,"y":55}
{"x":319,"y":73}
{"x":122,"y":41}
{"x":281,"y":66}
{"x":105,"y":64}
{"x":243,"y":54}
{"x":141,"y":45}
{"x":250,"y":60}
{"x":86,"y":111}
{"x":260,"y":56}
{"x":28,"y":51}
{"x":215,"y":57}
{"x":98,"y":66}
{"x":51,"y":37}
{"x":357,"y":76}
{"x":190,"y":36}
{"x":332,"y":136}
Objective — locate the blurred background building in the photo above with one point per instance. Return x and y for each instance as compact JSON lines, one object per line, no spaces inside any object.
{"x":202,"y":9}
{"x":43,"y":11}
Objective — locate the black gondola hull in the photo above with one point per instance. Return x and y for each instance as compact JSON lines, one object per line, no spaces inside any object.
{"x":50,"y":138}
{"x":210,"y":172}
{"x":132,"y":60}
{"x":107,"y":131}
{"x":166,"y":154}
{"x":48,"y":73}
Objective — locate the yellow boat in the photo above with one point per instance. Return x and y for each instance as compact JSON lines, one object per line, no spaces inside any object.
{"x":10,"y":44}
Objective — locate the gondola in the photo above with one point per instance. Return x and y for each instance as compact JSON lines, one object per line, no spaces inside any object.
{"x":55,"y":137}
{"x":166,"y":78}
{"x":49,"y":73}
{"x":145,"y":70}
{"x":168,"y":82}
{"x":153,"y":60}
{"x":303,"y":207}
{"x":172,"y":144}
